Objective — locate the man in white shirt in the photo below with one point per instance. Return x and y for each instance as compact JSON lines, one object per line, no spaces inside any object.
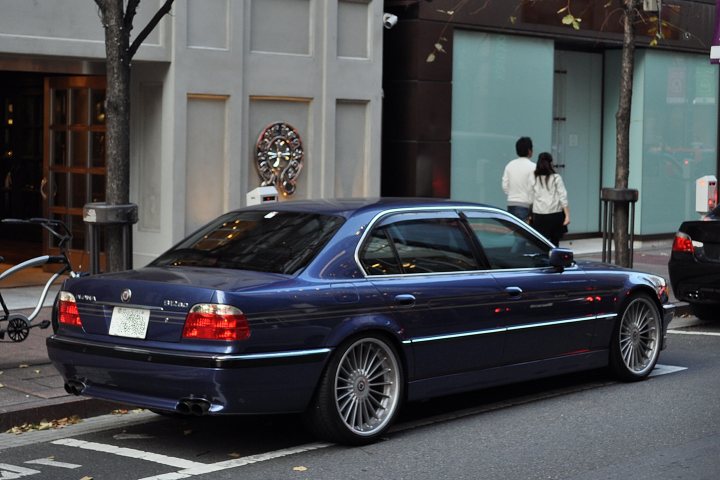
{"x":518,"y":179}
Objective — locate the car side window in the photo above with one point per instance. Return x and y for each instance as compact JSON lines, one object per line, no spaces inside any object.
{"x":429,"y":245}
{"x":378,"y":257}
{"x":507,"y":245}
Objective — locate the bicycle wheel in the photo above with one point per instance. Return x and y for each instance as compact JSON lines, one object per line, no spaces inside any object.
{"x":18,"y":329}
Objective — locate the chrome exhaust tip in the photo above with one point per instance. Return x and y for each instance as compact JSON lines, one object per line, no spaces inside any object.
{"x":193,"y":406}
{"x":74,"y":387}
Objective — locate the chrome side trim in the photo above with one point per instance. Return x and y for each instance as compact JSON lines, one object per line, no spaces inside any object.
{"x":263,"y":356}
{"x":550,"y":324}
{"x":455,"y":335}
{"x":182,"y":356}
{"x":506,"y":329}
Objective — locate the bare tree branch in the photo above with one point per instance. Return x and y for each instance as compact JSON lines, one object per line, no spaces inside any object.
{"x":129,"y":16}
{"x":149,"y":27}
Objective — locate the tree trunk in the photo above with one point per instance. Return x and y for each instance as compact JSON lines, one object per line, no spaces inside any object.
{"x":622,"y":118}
{"x":117,"y":105}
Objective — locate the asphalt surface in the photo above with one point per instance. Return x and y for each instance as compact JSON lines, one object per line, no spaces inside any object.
{"x":31,"y":390}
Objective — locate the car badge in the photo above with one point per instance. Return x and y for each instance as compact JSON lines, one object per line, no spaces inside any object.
{"x":126,"y":295}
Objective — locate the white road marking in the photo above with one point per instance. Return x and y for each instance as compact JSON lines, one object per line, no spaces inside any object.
{"x":12,"y":471}
{"x":129,"y":452}
{"x":52,"y":463}
{"x":684,"y":332}
{"x":665,"y":369}
{"x":239,"y":462}
{"x":189,"y":468}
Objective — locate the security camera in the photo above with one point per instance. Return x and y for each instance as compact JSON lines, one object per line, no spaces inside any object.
{"x":389,"y":20}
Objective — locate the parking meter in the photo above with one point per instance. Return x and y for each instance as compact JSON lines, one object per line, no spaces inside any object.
{"x":705,"y":193}
{"x":260,"y":195}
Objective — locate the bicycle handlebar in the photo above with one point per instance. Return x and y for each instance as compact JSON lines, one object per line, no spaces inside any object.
{"x":63,"y":236}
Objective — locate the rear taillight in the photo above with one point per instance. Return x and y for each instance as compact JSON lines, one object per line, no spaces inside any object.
{"x":683,"y":243}
{"x":67,"y":310}
{"x":208,"y":321}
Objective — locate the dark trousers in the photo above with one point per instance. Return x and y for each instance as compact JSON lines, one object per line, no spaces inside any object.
{"x":520,"y":212}
{"x":550,"y":225}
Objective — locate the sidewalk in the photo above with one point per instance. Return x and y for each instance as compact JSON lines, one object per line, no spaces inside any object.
{"x":32,"y":390}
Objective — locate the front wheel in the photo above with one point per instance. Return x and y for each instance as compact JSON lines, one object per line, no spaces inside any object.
{"x":635,"y":344}
{"x":359,"y":394}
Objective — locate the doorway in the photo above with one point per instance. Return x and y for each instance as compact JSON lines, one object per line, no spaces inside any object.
{"x":52,"y":158}
{"x":74,"y":160}
{"x":21,"y":163}
{"x":577,"y":134}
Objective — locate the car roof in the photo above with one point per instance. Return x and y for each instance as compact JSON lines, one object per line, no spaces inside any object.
{"x":347,"y":207}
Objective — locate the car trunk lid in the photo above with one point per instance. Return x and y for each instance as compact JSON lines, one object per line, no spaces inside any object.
{"x":151,"y":304}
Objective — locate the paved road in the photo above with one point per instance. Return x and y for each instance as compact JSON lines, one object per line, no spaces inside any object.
{"x":584,"y":426}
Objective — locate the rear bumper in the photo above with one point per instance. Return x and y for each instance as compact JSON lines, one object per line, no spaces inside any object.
{"x":693,"y":281}
{"x":275,"y":382}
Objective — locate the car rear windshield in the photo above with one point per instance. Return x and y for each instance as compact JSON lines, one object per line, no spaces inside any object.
{"x":275,"y":241}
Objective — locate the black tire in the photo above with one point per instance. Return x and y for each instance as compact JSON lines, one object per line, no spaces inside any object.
{"x":636,"y":340}
{"x":18,"y":329}
{"x":359,"y":394}
{"x":705,"y":311}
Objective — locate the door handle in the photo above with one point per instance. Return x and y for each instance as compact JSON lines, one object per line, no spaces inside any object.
{"x":405,"y":300}
{"x":43,"y":193}
{"x":513,"y":291}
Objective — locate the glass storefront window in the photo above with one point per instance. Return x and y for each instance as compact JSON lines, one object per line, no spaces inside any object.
{"x":502,"y":90}
{"x":679,"y":114}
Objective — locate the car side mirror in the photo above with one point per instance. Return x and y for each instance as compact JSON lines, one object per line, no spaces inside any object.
{"x":561,"y":258}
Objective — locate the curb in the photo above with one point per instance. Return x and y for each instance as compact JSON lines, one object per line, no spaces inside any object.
{"x":55,"y":409}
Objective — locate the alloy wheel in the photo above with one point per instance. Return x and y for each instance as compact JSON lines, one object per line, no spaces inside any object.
{"x":367,"y":390}
{"x":640,"y":336}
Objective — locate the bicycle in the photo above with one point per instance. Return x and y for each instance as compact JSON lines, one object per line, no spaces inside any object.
{"x":18,"y":324}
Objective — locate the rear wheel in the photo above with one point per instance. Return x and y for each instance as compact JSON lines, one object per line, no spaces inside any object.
{"x":635,"y":344}
{"x":359,"y":394}
{"x":704,"y":311}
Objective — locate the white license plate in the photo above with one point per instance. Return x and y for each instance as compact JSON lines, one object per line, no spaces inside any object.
{"x":129,"y":322}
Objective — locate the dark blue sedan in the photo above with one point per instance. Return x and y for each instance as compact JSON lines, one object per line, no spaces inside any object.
{"x":344,"y":309}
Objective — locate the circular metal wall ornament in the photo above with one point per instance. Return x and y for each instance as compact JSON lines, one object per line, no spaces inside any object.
{"x":279,"y":157}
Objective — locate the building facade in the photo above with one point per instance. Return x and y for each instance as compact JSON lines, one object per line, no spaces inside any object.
{"x":205,"y":84}
{"x":462,"y":85}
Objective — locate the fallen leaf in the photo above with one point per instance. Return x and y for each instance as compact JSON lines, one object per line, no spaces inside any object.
{"x":1,"y":385}
{"x":23,"y":365}
{"x":119,"y":411}
{"x":300,"y":469}
{"x":234,"y":455}
{"x":37,"y":371}
{"x":45,"y":425}
{"x":86,"y":478}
